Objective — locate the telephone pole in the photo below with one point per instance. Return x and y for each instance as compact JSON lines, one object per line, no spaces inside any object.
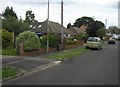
{"x":48,"y":29}
{"x":62,"y":42}
{"x":106,"y":23}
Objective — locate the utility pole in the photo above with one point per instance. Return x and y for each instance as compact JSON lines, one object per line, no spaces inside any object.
{"x":106,"y":23}
{"x":119,"y":14}
{"x":48,"y":29}
{"x":62,"y":42}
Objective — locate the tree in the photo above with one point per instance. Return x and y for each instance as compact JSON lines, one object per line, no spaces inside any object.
{"x":101,"y":33}
{"x":92,"y":25}
{"x":29,"y":16}
{"x":15,"y":26}
{"x":9,"y":13}
{"x":83,"y":21}
{"x":113,"y":29}
{"x":7,"y":38}
{"x":81,"y":36}
{"x":69,"y":26}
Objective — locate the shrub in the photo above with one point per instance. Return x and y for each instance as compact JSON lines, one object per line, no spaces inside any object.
{"x":7,"y":38}
{"x":53,"y":40}
{"x":81,"y":36}
{"x":29,"y":39}
{"x":69,"y":41}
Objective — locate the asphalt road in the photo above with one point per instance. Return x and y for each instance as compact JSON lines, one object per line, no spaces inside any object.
{"x":97,"y":67}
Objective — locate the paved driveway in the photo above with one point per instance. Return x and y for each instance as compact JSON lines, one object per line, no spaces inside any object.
{"x":26,"y":64}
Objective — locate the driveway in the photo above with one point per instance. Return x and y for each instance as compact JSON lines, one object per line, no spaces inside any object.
{"x":26,"y":64}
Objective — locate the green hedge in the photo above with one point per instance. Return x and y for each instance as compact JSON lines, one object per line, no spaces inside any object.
{"x":29,"y":39}
{"x":7,"y":38}
{"x":69,"y":41}
{"x":53,"y":40}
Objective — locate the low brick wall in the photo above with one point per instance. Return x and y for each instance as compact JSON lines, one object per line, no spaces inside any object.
{"x":42,"y":51}
{"x":77,"y":43}
{"x":38,"y":52}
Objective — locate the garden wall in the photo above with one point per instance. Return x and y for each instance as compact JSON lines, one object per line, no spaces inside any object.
{"x":77,"y":43}
{"x":43,"y":51}
{"x":38,"y":52}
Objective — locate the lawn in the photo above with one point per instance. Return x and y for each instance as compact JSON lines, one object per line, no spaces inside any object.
{"x":8,"y":51}
{"x":69,"y":54}
{"x":8,"y":72}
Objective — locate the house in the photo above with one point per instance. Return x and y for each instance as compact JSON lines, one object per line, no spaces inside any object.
{"x":75,"y":30}
{"x":54,"y":28}
{"x":83,"y":28}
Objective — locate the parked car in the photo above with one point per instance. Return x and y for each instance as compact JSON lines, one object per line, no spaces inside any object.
{"x":94,"y":42}
{"x":111,"y":41}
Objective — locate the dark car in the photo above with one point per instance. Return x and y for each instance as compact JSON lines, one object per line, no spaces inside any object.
{"x":111,"y":41}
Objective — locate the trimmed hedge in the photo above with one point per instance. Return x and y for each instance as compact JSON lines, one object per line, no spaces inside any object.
{"x":7,"y":38}
{"x":29,"y":39}
{"x":69,"y":41}
{"x":53,"y":40}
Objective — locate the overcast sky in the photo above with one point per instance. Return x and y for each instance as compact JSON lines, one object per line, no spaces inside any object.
{"x":72,"y":9}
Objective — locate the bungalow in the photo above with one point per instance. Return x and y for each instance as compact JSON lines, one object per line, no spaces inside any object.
{"x":75,"y":30}
{"x":40,"y":28}
{"x":83,"y":28}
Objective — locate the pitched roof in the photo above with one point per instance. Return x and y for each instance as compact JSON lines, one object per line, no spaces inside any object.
{"x":75,"y":30}
{"x":83,"y":28}
{"x":54,"y":27}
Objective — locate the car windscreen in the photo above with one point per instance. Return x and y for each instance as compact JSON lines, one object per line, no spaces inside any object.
{"x":92,"y":40}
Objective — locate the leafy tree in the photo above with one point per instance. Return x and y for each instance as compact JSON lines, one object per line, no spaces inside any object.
{"x":9,"y":13}
{"x":113,"y":29}
{"x":29,"y":16}
{"x":15,"y":26}
{"x":92,"y":25}
{"x":83,"y":21}
{"x":7,"y":38}
{"x":11,"y":24}
{"x":69,"y":26}
{"x":101,"y":33}
{"x":81,"y":36}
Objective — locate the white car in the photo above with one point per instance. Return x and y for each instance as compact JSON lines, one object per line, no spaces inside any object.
{"x":94,"y":42}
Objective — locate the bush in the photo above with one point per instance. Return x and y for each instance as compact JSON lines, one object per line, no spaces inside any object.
{"x":7,"y":38}
{"x":29,"y":39}
{"x":81,"y":36}
{"x":53,"y":40}
{"x":69,"y":41}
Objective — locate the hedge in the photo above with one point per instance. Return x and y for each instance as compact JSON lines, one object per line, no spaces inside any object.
{"x":29,"y":39}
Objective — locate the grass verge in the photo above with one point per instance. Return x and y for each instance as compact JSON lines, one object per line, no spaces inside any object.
{"x":8,"y":72}
{"x":69,"y":54}
{"x":8,"y":51}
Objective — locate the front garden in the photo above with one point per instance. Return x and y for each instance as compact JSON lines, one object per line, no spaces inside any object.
{"x":28,"y":43}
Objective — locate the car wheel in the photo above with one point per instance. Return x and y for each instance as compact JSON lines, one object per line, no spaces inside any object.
{"x":99,"y":48}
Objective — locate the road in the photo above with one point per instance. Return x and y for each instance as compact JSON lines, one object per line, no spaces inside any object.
{"x":97,"y":67}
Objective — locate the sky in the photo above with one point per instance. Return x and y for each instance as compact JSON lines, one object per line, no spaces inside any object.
{"x":72,"y":10}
